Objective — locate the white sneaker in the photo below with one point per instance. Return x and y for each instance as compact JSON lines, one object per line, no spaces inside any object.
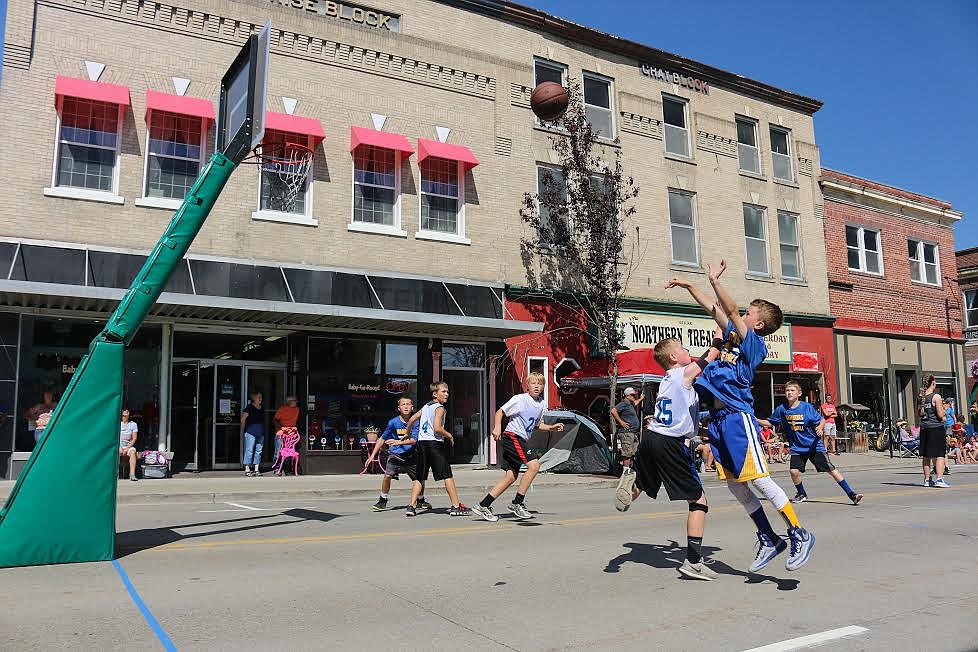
{"x":623,"y":493}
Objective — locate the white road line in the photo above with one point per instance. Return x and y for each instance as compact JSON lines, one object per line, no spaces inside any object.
{"x":811,"y":640}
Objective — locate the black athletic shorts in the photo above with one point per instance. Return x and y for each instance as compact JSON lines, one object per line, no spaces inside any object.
{"x":666,"y":461}
{"x":933,"y":442}
{"x":406,"y":463}
{"x":433,"y":456}
{"x":819,"y":459}
{"x":514,"y":453}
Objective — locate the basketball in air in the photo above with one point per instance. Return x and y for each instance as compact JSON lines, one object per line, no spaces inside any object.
{"x":549,"y":100}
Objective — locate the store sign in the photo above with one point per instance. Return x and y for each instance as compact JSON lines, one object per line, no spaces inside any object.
{"x":643,"y":330}
{"x":345,"y":11}
{"x":668,"y":77}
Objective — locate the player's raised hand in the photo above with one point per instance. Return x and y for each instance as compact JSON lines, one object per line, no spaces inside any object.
{"x":676,"y":282}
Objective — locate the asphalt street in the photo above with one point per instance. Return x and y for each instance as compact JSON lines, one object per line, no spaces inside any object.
{"x":895,"y":573}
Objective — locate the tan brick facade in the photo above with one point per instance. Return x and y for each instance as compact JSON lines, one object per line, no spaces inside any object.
{"x":473,"y":78}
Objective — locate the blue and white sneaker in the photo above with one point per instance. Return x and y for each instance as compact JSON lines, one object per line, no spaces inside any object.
{"x":766,"y":551}
{"x":802,"y":542}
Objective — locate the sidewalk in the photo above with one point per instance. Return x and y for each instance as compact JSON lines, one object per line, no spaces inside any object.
{"x":472,"y":481}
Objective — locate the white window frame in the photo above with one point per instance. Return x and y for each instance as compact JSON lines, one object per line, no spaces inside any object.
{"x":923,"y":264}
{"x":797,"y":246}
{"x":167,"y":202}
{"x":739,"y":119}
{"x":69,"y":192}
{"x":395,"y":229}
{"x":964,"y":297}
{"x":766,"y":240}
{"x":788,"y":156}
{"x":665,"y":126}
{"x":586,"y":75}
{"x":546,"y":376}
{"x":555,"y":66}
{"x":863,"y":269}
{"x":459,"y":236}
{"x":695,"y":228}
{"x":303,"y":219}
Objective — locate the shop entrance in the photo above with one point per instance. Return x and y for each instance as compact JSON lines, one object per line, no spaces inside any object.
{"x":207,"y":397}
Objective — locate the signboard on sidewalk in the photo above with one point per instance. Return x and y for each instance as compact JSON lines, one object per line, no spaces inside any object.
{"x":643,"y":330}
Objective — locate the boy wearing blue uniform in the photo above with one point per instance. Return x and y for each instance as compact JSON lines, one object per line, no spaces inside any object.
{"x":734,"y":432}
{"x":401,"y":453}
{"x":802,"y":425}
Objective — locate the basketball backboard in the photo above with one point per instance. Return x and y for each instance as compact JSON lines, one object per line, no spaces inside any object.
{"x":241,"y":109}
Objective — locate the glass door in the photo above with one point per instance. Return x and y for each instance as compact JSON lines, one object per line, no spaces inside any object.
{"x":227,"y":393}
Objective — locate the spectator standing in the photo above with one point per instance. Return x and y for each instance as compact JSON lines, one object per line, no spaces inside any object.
{"x":253,"y":429}
{"x":128,"y":431}
{"x":829,"y":413}
{"x":933,"y":437}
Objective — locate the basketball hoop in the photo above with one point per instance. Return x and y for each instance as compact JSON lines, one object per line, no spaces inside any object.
{"x":288,"y":164}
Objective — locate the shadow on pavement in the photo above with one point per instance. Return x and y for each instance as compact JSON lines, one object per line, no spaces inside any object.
{"x":133,"y":541}
{"x":671,"y":556}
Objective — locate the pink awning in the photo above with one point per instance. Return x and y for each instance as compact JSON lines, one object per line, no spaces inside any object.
{"x":91,"y":90}
{"x":295,"y":124}
{"x":193,"y":106}
{"x":363,"y":136}
{"x":459,"y":153}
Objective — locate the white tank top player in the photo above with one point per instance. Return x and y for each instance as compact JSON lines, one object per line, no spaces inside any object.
{"x":426,"y":428}
{"x":524,"y":414}
{"x":676,"y":407}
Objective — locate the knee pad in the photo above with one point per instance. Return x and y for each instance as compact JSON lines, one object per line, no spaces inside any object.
{"x":697,"y":507}
{"x":744,"y":495}
{"x":770,"y":490}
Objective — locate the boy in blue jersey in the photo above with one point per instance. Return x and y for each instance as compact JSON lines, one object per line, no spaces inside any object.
{"x":802,"y":425}
{"x":734,"y":432}
{"x":400,"y":458}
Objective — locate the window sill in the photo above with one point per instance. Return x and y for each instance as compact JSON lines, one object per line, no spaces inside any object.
{"x":285,"y":218}
{"x":797,"y":282}
{"x":687,"y":267}
{"x":752,"y":175}
{"x":759,"y":277}
{"x":442,"y":237}
{"x":679,"y":158}
{"x":786,"y":182}
{"x":84,"y":195}
{"x":159,"y":202}
{"x":378,"y":229}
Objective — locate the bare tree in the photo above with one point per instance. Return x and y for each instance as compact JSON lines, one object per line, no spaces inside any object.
{"x":581,"y":248}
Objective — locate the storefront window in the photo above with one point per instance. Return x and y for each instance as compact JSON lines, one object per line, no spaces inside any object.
{"x":51,"y":349}
{"x":868,"y":390}
{"x":355,"y":384}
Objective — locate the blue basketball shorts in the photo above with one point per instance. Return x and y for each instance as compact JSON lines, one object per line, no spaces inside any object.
{"x":736,"y":444}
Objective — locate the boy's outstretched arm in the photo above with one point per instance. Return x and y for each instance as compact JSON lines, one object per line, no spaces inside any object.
{"x":727,"y":303}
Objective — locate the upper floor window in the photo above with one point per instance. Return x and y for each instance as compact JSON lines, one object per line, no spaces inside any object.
{"x":682,"y":228}
{"x":924,"y":265}
{"x":755,"y":229}
{"x":781,"y":153}
{"x":88,"y":144}
{"x":674,"y":117}
{"x":551,"y":187}
{"x":864,"y":251}
{"x":790,"y":244}
{"x":275,"y":192}
{"x":971,"y":308}
{"x":375,"y":184}
{"x":747,"y":152}
{"x":597,"y":105}
{"x":441,"y":194}
{"x":174,"y":155}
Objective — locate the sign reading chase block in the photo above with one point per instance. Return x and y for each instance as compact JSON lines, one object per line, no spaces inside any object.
{"x":346,"y":11}
{"x":643,"y":330}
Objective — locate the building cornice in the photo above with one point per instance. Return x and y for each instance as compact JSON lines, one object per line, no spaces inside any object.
{"x":643,"y":54}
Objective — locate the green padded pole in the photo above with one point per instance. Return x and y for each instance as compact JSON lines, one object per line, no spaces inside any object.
{"x":62,"y":508}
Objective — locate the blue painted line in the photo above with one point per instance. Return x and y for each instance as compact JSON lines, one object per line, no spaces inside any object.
{"x":160,"y":634}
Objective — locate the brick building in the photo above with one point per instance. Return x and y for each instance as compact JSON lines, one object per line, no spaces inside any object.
{"x":892,"y":287}
{"x":967,"y":262}
{"x":391,"y":268}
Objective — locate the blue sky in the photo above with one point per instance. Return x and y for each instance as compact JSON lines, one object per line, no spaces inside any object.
{"x":899,"y":79}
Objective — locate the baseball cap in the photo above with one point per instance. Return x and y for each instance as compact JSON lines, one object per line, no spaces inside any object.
{"x":630,"y":391}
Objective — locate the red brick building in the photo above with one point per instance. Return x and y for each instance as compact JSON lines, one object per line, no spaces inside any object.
{"x":967,"y":262}
{"x":893,"y":291}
